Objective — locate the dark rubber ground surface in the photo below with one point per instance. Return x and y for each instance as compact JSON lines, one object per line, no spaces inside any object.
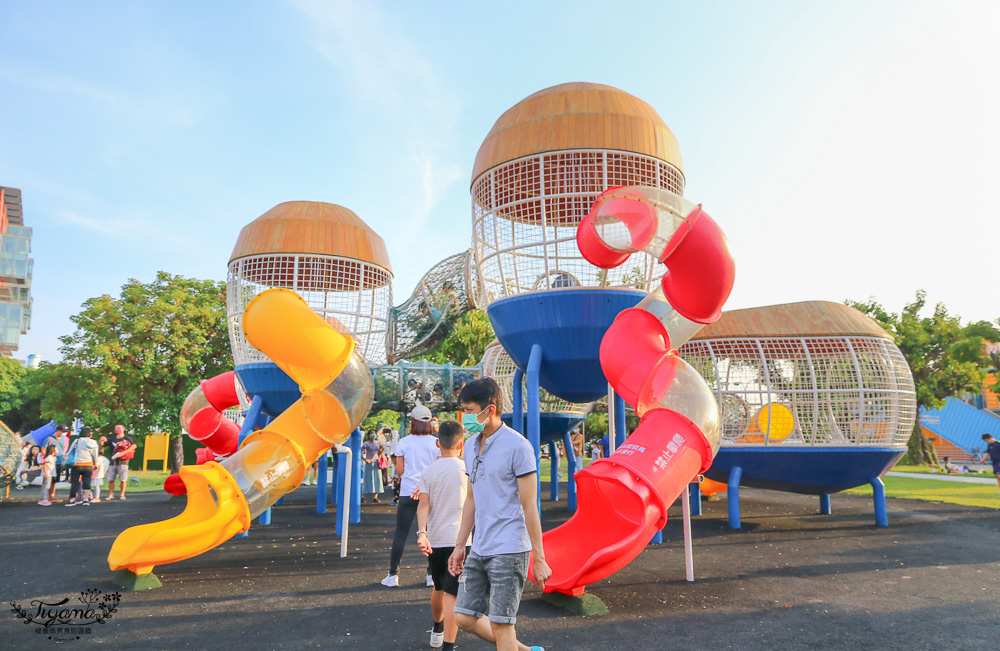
{"x":791,"y":579}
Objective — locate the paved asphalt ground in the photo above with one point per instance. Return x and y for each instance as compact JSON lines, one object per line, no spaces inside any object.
{"x":791,"y":579}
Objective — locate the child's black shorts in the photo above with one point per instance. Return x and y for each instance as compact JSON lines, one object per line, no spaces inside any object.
{"x":438,"y":562}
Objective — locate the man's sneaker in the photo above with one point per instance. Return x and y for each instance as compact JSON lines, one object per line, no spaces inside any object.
{"x":437,"y":639}
{"x":430,"y":582}
{"x":85,"y":503}
{"x":44,"y":503}
{"x":391,"y":581}
{"x":71,"y":503}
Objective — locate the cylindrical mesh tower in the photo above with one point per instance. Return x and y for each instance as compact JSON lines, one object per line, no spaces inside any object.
{"x":498,"y":365}
{"x":327,"y":255}
{"x":826,"y":376}
{"x":537,"y":174}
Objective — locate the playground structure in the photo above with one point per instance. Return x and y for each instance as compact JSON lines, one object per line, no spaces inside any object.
{"x":10,"y":458}
{"x":557,"y":417}
{"x":424,"y":320}
{"x":436,"y":386}
{"x":336,"y":392}
{"x":815,"y":398}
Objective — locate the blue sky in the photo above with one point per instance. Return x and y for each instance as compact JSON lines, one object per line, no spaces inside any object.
{"x":848,"y":149}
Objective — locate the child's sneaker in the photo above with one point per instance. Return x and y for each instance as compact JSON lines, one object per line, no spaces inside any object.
{"x":71,"y":503}
{"x":391,"y":581}
{"x":44,"y":503}
{"x":437,"y":639}
{"x":85,"y":503}
{"x":109,"y":498}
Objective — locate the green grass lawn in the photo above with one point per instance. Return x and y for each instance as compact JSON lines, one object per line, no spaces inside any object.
{"x":563,"y":469}
{"x":151,"y":480}
{"x":926,"y":470}
{"x":931,"y":490}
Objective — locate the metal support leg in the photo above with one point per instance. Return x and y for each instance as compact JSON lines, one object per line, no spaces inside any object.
{"x":881,"y":511}
{"x":572,"y":469}
{"x":553,"y":471}
{"x":534,"y":417}
{"x":688,"y":547}
{"x":620,"y":433}
{"x":824,"y":504}
{"x":265,"y":518}
{"x":734,"y":497}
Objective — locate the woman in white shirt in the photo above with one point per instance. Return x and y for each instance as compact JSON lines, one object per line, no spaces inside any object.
{"x":414,"y":453}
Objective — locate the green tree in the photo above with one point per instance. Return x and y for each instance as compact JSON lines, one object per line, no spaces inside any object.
{"x":385,"y":416}
{"x":465,"y":344}
{"x":133,"y":359}
{"x":947,"y":359}
{"x":11,"y":384}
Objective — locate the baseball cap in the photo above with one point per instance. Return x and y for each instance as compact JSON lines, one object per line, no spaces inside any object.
{"x":421,"y":413}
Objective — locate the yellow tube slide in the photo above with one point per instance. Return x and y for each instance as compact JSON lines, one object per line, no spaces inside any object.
{"x":337,"y":392}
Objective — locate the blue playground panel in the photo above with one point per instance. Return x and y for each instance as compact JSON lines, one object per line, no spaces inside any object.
{"x":266,"y":380}
{"x":811,"y":471}
{"x":568,"y":324}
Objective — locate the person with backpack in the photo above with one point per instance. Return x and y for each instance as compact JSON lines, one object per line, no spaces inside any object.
{"x":120,"y":449}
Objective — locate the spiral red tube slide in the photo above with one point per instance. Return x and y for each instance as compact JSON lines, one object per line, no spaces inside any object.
{"x":204,"y":421}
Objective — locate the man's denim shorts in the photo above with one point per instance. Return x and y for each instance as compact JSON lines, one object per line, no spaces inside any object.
{"x":492,"y":585}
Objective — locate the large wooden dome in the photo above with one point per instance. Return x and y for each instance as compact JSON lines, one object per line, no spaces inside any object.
{"x":805,"y":319}
{"x":577,"y":115}
{"x":311,"y":227}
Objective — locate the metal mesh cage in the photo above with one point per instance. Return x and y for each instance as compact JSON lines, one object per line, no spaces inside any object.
{"x":398,"y":387}
{"x":525,"y":214}
{"x":351,"y":295}
{"x":808,"y":391}
{"x":498,"y":365}
{"x":427,"y":317}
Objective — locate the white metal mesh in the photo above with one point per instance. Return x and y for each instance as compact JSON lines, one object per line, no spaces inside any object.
{"x":351,"y":295}
{"x":839,"y":390}
{"x":498,"y":365}
{"x":525,"y":214}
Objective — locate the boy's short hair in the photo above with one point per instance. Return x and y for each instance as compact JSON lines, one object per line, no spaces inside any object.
{"x":987,"y":437}
{"x":483,"y":392}
{"x":450,"y":435}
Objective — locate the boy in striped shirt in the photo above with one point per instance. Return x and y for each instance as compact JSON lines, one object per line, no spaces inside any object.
{"x":442,"y":488}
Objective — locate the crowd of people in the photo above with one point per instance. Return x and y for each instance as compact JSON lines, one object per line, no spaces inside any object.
{"x":83,"y":463}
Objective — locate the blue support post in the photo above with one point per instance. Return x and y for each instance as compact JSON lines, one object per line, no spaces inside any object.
{"x":341,"y":476}
{"x":824,"y":504}
{"x":250,"y":419}
{"x":571,"y":462}
{"x":265,"y":518}
{"x":881,"y":511}
{"x":517,"y":397}
{"x":553,"y":471}
{"x":280,"y":502}
{"x":356,"y":470}
{"x":657,"y":538}
{"x":695,"y":498}
{"x":734,"y":496}
{"x":620,"y":433}
{"x":534,"y":415}
{"x":321,"y":485}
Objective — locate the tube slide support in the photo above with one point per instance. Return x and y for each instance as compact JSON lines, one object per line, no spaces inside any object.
{"x":517,"y":396}
{"x":824,"y":504}
{"x":553,"y":472}
{"x":878,"y":494}
{"x":695,"y":498}
{"x":344,"y":516}
{"x":354,"y":461}
{"x":733,"y":495}
{"x":688,"y":548}
{"x":321,"y":500}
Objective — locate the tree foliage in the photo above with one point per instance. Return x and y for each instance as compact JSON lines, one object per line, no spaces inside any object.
{"x":465,"y":344}
{"x":947,"y":359}
{"x":133,"y":359}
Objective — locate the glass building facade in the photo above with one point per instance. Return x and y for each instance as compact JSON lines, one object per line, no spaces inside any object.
{"x":16,"y":268}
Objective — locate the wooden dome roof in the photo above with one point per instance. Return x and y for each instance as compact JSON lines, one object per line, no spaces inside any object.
{"x":577,"y":115}
{"x":806,"y":319}
{"x":311,"y":227}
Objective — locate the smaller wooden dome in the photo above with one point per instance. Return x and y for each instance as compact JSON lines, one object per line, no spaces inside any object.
{"x":311,"y":227}
{"x":806,"y":319}
{"x":577,"y":115}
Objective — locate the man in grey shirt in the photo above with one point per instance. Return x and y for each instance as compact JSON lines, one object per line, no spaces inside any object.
{"x":501,"y":504}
